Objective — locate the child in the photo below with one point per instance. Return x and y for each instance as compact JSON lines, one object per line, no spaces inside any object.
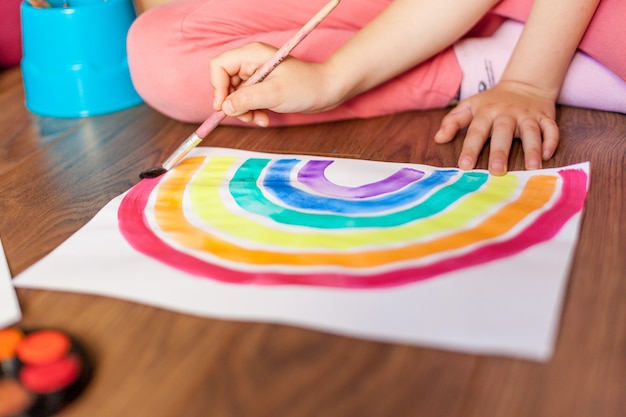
{"x":374,"y":57}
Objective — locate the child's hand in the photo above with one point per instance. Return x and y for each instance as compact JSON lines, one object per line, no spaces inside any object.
{"x":294,"y":86}
{"x":508,"y":110}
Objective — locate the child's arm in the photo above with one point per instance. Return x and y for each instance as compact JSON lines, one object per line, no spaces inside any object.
{"x":405,"y":34}
{"x":522,"y":104}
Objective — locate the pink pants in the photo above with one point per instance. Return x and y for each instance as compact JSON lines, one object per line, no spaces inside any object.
{"x":10,"y":34}
{"x":169,"y":48}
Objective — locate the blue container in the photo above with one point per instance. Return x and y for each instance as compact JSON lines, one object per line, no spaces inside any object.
{"x":74,"y":59}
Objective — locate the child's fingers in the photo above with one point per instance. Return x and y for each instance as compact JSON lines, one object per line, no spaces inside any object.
{"x":501,"y":139}
{"x":530,"y":134}
{"x":477,"y":134}
{"x":261,"y":118}
{"x":258,"y":117}
{"x":221,"y":83}
{"x":259,"y":96}
{"x":457,"y":119}
{"x":228,"y":69}
{"x":550,"y":131}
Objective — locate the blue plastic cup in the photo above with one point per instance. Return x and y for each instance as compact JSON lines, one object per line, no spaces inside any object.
{"x":74,"y":59}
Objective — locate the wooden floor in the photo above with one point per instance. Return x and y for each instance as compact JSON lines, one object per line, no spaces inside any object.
{"x":55,"y":174}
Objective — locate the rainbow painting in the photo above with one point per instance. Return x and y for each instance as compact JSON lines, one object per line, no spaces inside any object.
{"x":283,"y":221}
{"x":299,"y":227}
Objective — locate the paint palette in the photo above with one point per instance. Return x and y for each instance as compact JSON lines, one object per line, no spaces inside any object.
{"x":41,"y":371}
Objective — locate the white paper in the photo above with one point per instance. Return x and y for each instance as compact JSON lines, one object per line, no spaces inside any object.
{"x":506,"y":306}
{"x":10,"y":312}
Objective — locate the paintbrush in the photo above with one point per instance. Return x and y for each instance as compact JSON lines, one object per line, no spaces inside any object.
{"x":212,"y":122}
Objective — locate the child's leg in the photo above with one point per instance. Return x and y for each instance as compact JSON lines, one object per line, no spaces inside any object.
{"x":587,"y":83}
{"x":169,"y":48}
{"x":606,"y":28}
{"x":10,"y":35}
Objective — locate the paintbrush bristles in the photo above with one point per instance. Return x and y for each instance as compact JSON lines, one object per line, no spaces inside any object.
{"x":184,"y":148}
{"x":152,"y":172}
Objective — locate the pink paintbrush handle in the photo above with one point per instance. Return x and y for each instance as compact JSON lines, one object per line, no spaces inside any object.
{"x":209,"y":124}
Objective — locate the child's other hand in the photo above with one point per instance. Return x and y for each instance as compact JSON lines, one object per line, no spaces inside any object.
{"x":294,"y":86}
{"x":508,"y":110}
